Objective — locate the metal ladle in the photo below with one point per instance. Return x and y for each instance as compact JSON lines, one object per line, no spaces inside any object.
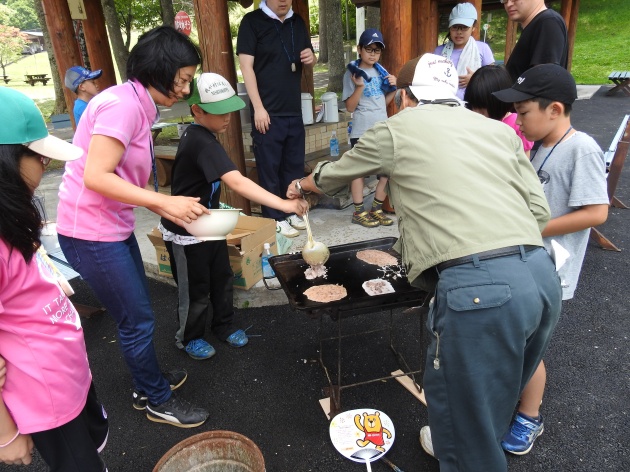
{"x":314,"y":252}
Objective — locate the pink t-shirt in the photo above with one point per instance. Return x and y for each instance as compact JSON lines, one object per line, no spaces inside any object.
{"x":125,"y":112}
{"x":510,"y":120}
{"x":41,"y":339}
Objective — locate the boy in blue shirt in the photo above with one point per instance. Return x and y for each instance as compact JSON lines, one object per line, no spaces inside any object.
{"x":82,"y":81}
{"x":572,"y":171}
{"x":367,"y":90}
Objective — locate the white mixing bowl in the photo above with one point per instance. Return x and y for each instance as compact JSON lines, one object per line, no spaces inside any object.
{"x":215,"y":226}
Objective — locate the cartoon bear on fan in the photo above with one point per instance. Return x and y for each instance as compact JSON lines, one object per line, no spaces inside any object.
{"x":373,"y":430}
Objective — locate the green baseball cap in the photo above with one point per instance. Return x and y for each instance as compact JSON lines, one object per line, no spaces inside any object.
{"x":21,"y":122}
{"x":214,"y":94}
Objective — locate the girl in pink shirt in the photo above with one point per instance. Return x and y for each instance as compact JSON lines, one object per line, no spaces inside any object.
{"x":48,"y":398}
{"x":479,"y":98}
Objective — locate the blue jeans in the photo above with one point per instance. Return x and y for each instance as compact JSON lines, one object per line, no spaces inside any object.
{"x":490,"y":324}
{"x":115,"y":272}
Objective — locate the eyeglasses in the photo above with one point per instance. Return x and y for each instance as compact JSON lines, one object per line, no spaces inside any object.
{"x":181,"y":83}
{"x":44,"y":160}
{"x":460,"y":28}
{"x":373,"y":50}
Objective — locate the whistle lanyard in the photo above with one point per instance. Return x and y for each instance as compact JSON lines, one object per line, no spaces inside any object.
{"x":286,"y":51}
{"x":552,"y":149}
{"x":153,"y":166}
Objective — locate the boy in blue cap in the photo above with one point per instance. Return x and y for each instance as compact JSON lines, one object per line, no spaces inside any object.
{"x":367,"y":90}
{"x":82,"y":81}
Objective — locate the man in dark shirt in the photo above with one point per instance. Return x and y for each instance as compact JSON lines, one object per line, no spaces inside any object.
{"x":543,"y":39}
{"x":273,"y":45}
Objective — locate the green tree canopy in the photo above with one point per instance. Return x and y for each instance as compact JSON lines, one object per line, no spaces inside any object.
{"x":24,"y":16}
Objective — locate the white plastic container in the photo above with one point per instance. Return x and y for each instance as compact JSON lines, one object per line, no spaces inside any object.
{"x":331,"y":111}
{"x":307,"y":108}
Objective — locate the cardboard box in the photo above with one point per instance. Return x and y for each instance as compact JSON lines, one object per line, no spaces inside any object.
{"x":163,"y":261}
{"x":245,"y":246}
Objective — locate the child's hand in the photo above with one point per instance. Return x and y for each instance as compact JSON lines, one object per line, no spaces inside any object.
{"x":391,"y":79}
{"x":18,"y":452}
{"x":299,"y":206}
{"x":307,"y":57}
{"x":357,"y":80}
{"x":464,"y":79}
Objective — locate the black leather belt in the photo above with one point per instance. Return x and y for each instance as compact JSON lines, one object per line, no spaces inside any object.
{"x":493,"y":253}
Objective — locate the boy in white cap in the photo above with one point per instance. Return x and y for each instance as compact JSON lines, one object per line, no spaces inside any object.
{"x":202,"y":268}
{"x":472,"y":209}
{"x":467,"y":54}
{"x":82,"y":81}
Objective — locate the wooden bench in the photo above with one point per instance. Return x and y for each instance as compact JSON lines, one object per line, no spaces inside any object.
{"x":615,"y":159}
{"x":621,"y":81}
{"x":5,"y":78}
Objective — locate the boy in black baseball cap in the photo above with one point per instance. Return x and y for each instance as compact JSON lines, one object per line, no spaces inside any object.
{"x":572,"y":170}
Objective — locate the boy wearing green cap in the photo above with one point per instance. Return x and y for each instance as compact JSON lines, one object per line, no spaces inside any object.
{"x":202,"y":268}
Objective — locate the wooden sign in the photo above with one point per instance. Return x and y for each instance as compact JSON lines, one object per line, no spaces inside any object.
{"x":77,"y":10}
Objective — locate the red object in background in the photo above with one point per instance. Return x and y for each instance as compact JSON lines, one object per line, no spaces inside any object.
{"x":182,"y":23}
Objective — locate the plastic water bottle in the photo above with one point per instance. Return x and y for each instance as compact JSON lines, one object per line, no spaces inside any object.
{"x":334,"y":144}
{"x":268,"y":272}
{"x":349,"y":129}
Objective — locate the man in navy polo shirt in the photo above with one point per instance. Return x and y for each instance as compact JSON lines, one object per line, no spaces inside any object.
{"x":273,"y":46}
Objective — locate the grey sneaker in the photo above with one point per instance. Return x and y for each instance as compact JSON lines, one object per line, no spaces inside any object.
{"x":177,"y":412}
{"x":285,"y":229}
{"x":426,"y":442}
{"x":175,"y":378}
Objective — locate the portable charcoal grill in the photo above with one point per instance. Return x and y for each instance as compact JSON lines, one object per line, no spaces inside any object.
{"x":344,"y":268}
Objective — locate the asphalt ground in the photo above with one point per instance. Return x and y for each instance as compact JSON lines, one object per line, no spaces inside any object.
{"x":269,"y":390}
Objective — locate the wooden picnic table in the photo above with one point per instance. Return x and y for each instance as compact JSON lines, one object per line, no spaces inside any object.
{"x":34,"y":78}
{"x":5,"y":78}
{"x":621,"y":79}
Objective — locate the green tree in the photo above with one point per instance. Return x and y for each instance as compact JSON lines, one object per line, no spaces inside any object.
{"x":24,"y":16}
{"x":12,"y":41}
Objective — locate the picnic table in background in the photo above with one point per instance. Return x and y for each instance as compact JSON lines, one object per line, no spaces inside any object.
{"x":34,"y":78}
{"x":621,"y":79}
{"x":5,"y":78}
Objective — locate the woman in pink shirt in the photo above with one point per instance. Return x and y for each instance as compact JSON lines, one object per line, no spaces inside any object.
{"x":479,"y":98}
{"x":98,"y":193}
{"x":48,"y":399}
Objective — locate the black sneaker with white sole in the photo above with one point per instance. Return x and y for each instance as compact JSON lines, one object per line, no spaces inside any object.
{"x":177,"y":412}
{"x":175,"y":378}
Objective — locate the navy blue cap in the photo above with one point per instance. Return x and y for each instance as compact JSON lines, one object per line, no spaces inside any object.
{"x":371,"y":35}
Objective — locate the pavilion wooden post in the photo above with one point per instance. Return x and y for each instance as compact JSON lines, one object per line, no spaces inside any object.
{"x":510,"y":38}
{"x":569,"y":11}
{"x":426,"y":19}
{"x":396,"y":26}
{"x":97,"y":44}
{"x":477,"y":32}
{"x":301,"y":8}
{"x":215,"y":43}
{"x":65,"y":47}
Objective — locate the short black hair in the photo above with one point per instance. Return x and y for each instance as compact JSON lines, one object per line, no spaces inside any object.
{"x":484,"y":81}
{"x":158,"y":55}
{"x":543,"y":103}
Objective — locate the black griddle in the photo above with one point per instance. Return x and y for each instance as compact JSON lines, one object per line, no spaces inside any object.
{"x":345,"y":269}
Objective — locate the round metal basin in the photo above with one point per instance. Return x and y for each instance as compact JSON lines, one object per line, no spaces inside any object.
{"x":213,"y":451}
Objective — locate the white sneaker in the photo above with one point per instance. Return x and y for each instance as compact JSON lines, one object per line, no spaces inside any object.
{"x":285,"y":229}
{"x":426,"y":442}
{"x":296,"y":222}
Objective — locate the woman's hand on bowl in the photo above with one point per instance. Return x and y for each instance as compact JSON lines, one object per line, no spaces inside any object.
{"x":183,"y":209}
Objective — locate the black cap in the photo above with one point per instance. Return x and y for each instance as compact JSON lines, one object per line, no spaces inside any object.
{"x":549,"y":81}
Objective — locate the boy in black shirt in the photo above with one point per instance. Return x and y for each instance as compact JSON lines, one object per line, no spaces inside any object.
{"x":202,"y":268}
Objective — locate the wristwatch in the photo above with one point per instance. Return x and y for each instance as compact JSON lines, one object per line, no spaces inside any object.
{"x":299,"y":187}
